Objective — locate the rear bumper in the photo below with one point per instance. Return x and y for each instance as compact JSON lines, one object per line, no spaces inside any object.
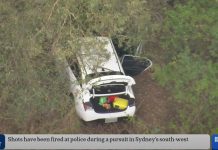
{"x":91,"y":115}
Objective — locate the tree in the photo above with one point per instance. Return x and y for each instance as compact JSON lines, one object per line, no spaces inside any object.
{"x":189,"y":38}
{"x":33,"y":35}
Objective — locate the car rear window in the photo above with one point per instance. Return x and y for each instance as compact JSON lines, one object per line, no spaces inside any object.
{"x":100,"y":74}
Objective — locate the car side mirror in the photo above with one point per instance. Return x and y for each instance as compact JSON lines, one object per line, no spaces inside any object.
{"x":134,"y":65}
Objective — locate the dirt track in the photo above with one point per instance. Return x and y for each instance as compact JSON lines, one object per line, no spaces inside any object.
{"x":151,"y":115}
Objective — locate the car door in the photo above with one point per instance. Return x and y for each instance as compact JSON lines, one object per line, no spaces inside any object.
{"x":134,"y":65}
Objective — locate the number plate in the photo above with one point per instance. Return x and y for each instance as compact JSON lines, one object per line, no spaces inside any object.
{"x":110,"y":120}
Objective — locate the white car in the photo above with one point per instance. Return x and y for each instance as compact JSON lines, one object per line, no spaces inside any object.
{"x":95,"y":78}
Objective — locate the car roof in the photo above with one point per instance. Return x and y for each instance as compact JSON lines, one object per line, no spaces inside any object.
{"x":98,"y":54}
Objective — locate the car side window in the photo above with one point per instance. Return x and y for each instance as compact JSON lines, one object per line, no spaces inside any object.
{"x":74,"y":67}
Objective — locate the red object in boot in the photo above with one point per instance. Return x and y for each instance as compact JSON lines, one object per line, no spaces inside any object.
{"x":111,"y":99}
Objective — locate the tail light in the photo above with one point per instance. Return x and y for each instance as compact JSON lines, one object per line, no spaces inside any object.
{"x":87,"y":105}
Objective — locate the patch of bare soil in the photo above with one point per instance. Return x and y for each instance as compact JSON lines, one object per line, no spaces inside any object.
{"x":152,"y":101}
{"x":152,"y":111}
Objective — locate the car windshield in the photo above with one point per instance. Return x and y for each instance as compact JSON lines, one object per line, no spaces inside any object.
{"x":100,"y":74}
